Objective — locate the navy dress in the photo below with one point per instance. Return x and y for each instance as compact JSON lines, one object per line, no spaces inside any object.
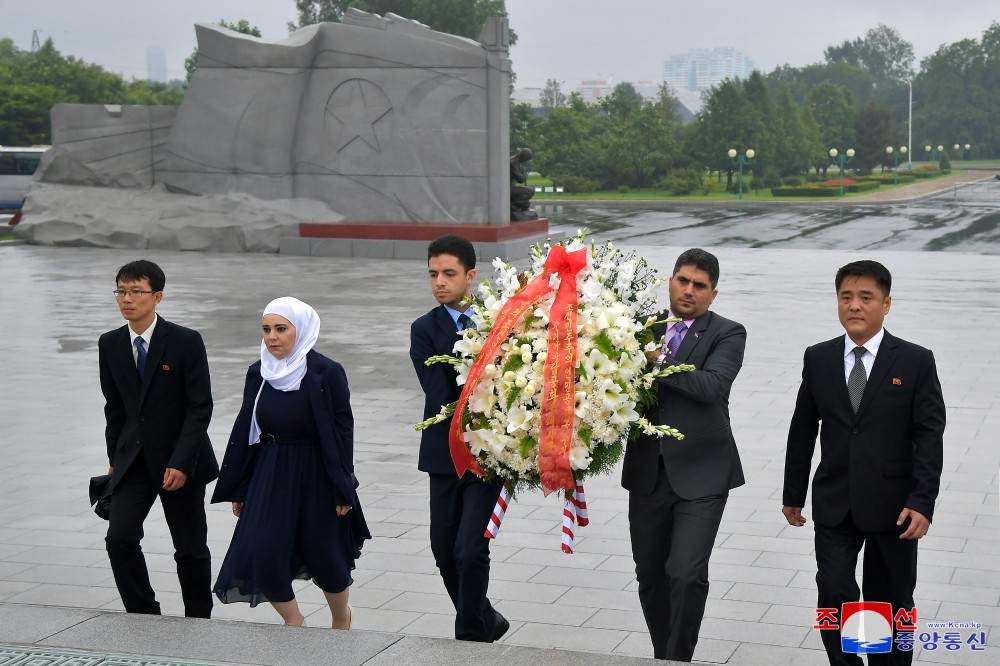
{"x":289,"y":527}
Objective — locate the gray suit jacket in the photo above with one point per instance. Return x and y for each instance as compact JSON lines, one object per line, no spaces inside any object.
{"x":706,"y":462}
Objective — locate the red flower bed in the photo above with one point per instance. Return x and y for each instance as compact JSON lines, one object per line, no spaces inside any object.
{"x":836,"y":181}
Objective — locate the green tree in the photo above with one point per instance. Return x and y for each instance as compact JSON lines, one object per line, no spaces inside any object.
{"x":640,"y":141}
{"x":882,"y":52}
{"x":242,"y":26}
{"x":32,"y":82}
{"x":552,"y":96}
{"x":456,"y":17}
{"x":727,"y":121}
{"x":873,"y":132}
{"x":835,"y":114}
{"x":790,"y":145}
{"x":957,"y":94}
{"x":522,"y":126}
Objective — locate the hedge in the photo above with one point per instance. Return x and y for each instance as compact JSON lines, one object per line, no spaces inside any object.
{"x":823,"y":190}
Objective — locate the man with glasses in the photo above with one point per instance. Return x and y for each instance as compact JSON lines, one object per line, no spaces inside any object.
{"x":158,"y":404}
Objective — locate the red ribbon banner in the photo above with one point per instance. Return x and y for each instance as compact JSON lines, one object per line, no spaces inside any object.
{"x":560,"y":368}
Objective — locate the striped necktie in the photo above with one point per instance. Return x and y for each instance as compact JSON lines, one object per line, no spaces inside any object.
{"x":140,"y":363}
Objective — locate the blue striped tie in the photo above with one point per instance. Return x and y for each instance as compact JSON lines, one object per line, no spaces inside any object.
{"x":140,"y":364}
{"x":675,"y":341}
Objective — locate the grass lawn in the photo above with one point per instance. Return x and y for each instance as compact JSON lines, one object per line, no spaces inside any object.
{"x":649,"y":194}
{"x":717,"y":193}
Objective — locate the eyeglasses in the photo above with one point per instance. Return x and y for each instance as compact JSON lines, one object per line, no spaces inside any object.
{"x":131,"y":293}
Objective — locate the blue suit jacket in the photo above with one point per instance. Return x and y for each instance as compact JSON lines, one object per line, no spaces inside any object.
{"x":326,"y":383}
{"x":874,"y":463}
{"x":435,"y":334}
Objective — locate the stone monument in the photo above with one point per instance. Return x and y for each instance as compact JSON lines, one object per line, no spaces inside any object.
{"x":373,"y":129}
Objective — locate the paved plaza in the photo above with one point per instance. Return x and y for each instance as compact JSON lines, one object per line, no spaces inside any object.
{"x":57,"y":301}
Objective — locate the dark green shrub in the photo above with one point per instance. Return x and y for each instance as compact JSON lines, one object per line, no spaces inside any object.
{"x":792,"y":181}
{"x":771,"y":178}
{"x":577,"y":184}
{"x":683,"y":181}
{"x":944,"y":162}
{"x":806,"y":191}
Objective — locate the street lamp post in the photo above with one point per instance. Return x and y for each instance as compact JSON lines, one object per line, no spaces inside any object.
{"x":849,"y":156}
{"x":895,"y":162}
{"x":739,"y":159}
{"x":933,"y":153}
{"x":961,"y":155}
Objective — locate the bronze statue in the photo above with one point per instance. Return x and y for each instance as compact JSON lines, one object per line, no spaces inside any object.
{"x":520,"y":195}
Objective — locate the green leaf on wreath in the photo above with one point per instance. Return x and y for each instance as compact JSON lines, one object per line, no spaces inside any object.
{"x":603,"y":342}
{"x":512,"y":397}
{"x":514,"y":361}
{"x":527,"y":446}
{"x":585,"y":435}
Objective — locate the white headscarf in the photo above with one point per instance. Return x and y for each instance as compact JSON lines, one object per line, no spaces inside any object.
{"x":285,"y":374}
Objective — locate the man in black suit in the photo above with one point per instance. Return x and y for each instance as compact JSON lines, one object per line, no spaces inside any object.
{"x":882,"y":413}
{"x":678,"y":489}
{"x":460,"y":507}
{"x":158,"y":403}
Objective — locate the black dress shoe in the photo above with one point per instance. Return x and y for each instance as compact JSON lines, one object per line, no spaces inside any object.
{"x":500,"y":627}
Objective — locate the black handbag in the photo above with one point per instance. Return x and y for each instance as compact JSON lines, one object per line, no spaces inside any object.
{"x":100,"y":495}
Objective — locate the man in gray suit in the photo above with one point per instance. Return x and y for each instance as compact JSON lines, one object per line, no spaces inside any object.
{"x":678,"y":489}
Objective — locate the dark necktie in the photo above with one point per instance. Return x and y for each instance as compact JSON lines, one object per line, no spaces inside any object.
{"x":857,"y":379}
{"x":675,"y":341}
{"x":464,"y":322}
{"x":140,"y":363}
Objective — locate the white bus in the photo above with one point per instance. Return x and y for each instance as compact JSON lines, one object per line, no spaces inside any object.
{"x":17,"y":166}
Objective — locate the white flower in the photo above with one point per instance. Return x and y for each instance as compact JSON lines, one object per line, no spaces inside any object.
{"x":485,"y":439}
{"x":579,"y":457}
{"x":581,"y":404}
{"x":610,"y":394}
{"x":483,"y":398}
{"x":518,"y":418}
{"x":625,"y":414}
{"x":597,"y":364}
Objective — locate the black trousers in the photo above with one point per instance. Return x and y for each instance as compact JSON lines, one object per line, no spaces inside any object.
{"x":460,"y":512}
{"x":889,"y":574}
{"x":184,"y":511}
{"x":672,"y":541}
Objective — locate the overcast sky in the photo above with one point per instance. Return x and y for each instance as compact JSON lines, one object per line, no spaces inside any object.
{"x":566,"y":40}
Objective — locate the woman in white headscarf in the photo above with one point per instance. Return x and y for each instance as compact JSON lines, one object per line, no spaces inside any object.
{"x":289,"y":472}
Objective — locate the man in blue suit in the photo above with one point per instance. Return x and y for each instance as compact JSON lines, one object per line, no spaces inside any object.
{"x":879,"y":401}
{"x":158,"y":404}
{"x":460,"y":507}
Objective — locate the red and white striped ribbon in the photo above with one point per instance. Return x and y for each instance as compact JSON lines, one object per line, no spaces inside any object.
{"x":499,"y":510}
{"x":580,"y":501}
{"x":574,"y":512}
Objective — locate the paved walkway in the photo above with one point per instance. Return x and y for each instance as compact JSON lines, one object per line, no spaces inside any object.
{"x":922,"y":188}
{"x":56,"y":301}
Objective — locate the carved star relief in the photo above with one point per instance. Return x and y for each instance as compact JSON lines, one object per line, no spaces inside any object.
{"x":354,"y":108}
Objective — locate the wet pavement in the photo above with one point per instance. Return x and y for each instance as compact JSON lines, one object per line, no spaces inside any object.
{"x":964,"y":217}
{"x":777,"y":279}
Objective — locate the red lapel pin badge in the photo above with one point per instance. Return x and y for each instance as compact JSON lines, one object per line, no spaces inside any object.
{"x":896,"y":381}
{"x":166,"y":368}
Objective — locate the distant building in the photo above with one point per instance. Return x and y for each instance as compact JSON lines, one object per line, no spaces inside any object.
{"x":156,"y":64}
{"x":531,"y":96}
{"x":700,"y":69}
{"x":594,"y":90}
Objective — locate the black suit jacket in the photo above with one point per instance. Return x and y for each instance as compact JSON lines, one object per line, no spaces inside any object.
{"x":167,"y":414}
{"x":874,"y":463}
{"x":435,"y":334}
{"x":706,"y":462}
{"x":326,"y":384}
